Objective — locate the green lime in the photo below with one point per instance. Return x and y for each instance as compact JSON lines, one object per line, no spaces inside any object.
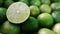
{"x":45,"y":20}
{"x":7,"y":3}
{"x":18,"y":12}
{"x":45,"y":8}
{"x":46,"y":31}
{"x":34,"y":10}
{"x":35,"y":2}
{"x":8,"y":28}
{"x":25,"y":1}
{"x":56,"y":15}
{"x":1,"y":2}
{"x":45,"y":2}
{"x":31,"y":25}
{"x":55,"y":6}
{"x":2,"y":14}
{"x":56,"y":28}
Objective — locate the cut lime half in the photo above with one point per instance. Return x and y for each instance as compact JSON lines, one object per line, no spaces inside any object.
{"x":18,"y":12}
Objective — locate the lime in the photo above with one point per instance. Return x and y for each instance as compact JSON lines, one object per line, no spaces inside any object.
{"x":56,"y":28}
{"x":1,"y":2}
{"x":18,"y":12}
{"x":8,"y":28}
{"x":35,"y":2}
{"x":34,"y":10}
{"x":45,"y":2}
{"x":2,"y":14}
{"x":55,"y":6}
{"x":45,"y":8}
{"x":7,"y":3}
{"x":56,"y":16}
{"x":25,"y":1}
{"x":46,"y":31}
{"x":45,"y":20}
{"x":31,"y":25}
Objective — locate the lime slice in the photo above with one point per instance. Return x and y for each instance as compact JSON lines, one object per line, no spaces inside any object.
{"x":18,"y":12}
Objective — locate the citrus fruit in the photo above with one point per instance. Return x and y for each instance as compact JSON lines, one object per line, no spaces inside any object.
{"x":2,"y":14}
{"x":31,"y":25}
{"x":56,"y":28}
{"x":18,"y":12}
{"x":45,"y":8}
{"x":34,"y":10}
{"x":55,"y":6}
{"x":45,"y":2}
{"x":7,"y":3}
{"x":25,"y":1}
{"x":46,"y":31}
{"x":56,"y":16}
{"x":45,"y":20}
{"x":35,"y":2}
{"x":1,"y":2}
{"x":8,"y":28}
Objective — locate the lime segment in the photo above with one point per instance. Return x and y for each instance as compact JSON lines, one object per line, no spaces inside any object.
{"x":18,"y":12}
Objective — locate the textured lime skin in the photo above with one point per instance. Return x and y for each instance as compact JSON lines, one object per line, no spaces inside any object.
{"x":56,"y":16}
{"x":35,"y":2}
{"x":45,"y":20}
{"x":1,"y":2}
{"x":30,"y":25}
{"x":56,"y":28}
{"x":25,"y":1}
{"x":2,"y":14}
{"x":7,"y":3}
{"x":8,"y":28}
{"x":45,"y":8}
{"x":34,"y":11}
{"x":45,"y":2}
{"x":46,"y":31}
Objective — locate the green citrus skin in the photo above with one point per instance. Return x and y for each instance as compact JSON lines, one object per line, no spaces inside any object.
{"x":8,"y":28}
{"x":34,"y":11}
{"x":45,"y":20}
{"x":46,"y":2}
{"x":35,"y":2}
{"x":7,"y":3}
{"x":55,"y":6}
{"x":1,"y":2}
{"x":45,"y":8}
{"x":56,"y":16}
{"x":46,"y":31}
{"x":2,"y":14}
{"x":56,"y":28}
{"x":30,"y":25}
{"x":25,"y":1}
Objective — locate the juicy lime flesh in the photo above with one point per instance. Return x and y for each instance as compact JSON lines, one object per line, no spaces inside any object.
{"x":45,"y":20}
{"x":18,"y":12}
{"x":46,"y":31}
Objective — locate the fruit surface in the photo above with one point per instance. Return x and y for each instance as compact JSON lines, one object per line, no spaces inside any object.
{"x":8,"y":28}
{"x":34,"y":10}
{"x":18,"y":12}
{"x":46,"y":31}
{"x":56,"y":28}
{"x":56,"y":16}
{"x":45,"y":20}
{"x":30,"y":25}
{"x":45,"y":8}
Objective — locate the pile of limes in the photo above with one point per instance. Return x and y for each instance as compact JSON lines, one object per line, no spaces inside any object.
{"x":29,"y":16}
